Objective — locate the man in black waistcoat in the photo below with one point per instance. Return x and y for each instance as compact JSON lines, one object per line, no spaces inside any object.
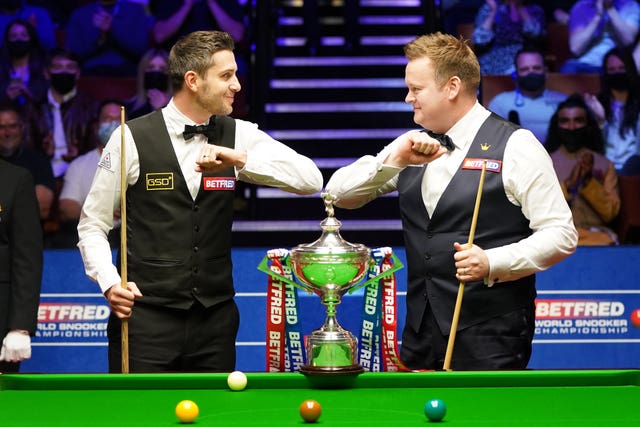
{"x":524,"y":224}
{"x":20,"y":265}
{"x":182,"y":163}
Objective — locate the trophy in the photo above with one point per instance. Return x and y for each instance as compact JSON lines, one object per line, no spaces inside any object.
{"x":329,"y":267}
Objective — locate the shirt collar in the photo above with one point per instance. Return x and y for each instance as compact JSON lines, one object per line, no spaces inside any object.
{"x":65,"y":97}
{"x":465,"y":129}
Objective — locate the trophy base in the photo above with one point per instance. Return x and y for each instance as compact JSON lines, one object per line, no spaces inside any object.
{"x":331,"y":377}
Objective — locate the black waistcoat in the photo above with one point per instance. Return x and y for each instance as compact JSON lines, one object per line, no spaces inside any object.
{"x":178,"y":249}
{"x":429,"y":241}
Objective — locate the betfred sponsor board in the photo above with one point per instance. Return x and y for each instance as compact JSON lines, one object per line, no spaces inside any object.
{"x":588,"y":315}
{"x":72,"y":319}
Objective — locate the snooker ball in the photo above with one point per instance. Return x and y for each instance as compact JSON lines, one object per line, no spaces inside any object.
{"x":187,"y":411}
{"x":435,"y":409}
{"x":237,"y":380}
{"x":635,"y":317}
{"x":310,"y":411}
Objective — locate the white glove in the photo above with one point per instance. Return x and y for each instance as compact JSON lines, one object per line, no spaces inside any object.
{"x":16,"y":347}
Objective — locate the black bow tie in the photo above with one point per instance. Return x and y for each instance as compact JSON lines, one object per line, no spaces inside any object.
{"x":206,"y":130}
{"x":444,"y":140}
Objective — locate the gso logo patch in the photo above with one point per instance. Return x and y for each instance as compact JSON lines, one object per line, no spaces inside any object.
{"x":159,"y":181}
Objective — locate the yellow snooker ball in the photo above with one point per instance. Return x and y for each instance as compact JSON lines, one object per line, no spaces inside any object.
{"x":187,"y":411}
{"x":237,"y":380}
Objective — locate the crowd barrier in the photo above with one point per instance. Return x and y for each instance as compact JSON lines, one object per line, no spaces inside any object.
{"x":588,"y":313}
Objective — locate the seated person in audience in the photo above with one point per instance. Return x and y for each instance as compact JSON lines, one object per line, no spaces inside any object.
{"x":10,"y":10}
{"x":62,"y":124}
{"x":587,"y":177}
{"x":14,"y":150}
{"x":617,"y":108}
{"x":79,"y":175}
{"x":152,"y":84}
{"x":109,"y":36}
{"x":502,"y":27}
{"x":458,"y":12}
{"x":176,"y":18}
{"x":597,"y":26}
{"x":531,"y":105}
{"x":22,"y":65}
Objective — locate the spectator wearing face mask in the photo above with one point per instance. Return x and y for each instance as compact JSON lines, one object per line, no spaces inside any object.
{"x":588,"y":179}
{"x":531,"y":105}
{"x":62,"y":123}
{"x":39,"y":17}
{"x":79,"y":175}
{"x":617,"y":109}
{"x":152,"y":88}
{"x":22,"y":65}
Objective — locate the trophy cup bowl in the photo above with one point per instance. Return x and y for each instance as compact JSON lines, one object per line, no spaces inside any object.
{"x":329,"y":267}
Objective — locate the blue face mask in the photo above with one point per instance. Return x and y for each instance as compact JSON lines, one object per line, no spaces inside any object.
{"x":105,"y":130}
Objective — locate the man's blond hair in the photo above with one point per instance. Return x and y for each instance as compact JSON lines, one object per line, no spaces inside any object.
{"x":450,"y":57}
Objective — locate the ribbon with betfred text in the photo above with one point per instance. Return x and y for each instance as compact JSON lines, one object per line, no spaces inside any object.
{"x":380,"y":314}
{"x":284,"y":344}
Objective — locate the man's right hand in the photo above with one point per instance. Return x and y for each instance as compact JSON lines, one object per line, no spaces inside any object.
{"x":121,"y":300}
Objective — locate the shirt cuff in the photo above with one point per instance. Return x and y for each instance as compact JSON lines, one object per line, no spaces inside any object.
{"x":498,"y":267}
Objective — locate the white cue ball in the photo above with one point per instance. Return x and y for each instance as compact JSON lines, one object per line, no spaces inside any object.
{"x":237,"y":380}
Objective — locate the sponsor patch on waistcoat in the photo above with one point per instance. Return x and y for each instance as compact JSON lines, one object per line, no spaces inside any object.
{"x":159,"y":181}
{"x":476,"y":164}
{"x":218,"y":183}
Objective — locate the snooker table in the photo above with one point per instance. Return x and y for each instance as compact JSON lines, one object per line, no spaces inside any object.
{"x":506,"y":398}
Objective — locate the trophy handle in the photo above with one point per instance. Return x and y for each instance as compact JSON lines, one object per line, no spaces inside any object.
{"x":397,"y":265}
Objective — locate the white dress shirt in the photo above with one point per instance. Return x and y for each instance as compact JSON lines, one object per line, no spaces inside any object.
{"x":529,"y":181}
{"x":269,"y":162}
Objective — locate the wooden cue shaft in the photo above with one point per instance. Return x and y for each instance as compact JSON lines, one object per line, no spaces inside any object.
{"x":124,"y":323}
{"x":458,"y":306}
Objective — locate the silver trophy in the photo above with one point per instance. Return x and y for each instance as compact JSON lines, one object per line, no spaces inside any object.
{"x":329,"y":267}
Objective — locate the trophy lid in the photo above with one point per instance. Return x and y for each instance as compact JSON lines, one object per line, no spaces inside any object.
{"x":330,"y":242}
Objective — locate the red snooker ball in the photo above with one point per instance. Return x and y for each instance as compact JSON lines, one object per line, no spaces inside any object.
{"x":635,"y":317}
{"x":310,"y":411}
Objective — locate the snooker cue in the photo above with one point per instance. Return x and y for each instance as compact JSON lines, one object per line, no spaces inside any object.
{"x":458,"y":306}
{"x":124,"y":323}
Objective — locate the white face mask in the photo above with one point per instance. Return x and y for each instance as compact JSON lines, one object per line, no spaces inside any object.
{"x":105,"y":130}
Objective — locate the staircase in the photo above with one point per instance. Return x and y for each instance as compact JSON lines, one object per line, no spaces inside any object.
{"x":334,"y":103}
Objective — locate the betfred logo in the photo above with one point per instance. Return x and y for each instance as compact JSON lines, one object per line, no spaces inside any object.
{"x":476,"y":164}
{"x":577,"y":309}
{"x":159,"y":181}
{"x":218,"y":183}
{"x":62,"y":312}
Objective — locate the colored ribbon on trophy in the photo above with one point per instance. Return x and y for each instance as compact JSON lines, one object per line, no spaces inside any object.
{"x":369,"y":340}
{"x":380,"y":318}
{"x":284,"y":350}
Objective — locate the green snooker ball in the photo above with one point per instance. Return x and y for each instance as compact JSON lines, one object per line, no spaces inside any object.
{"x":435,"y":409}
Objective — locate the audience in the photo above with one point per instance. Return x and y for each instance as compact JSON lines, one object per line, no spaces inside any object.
{"x":22,"y":65}
{"x":596,"y":27}
{"x":587,"y":177}
{"x":617,"y":107}
{"x":152,"y":84}
{"x":14,"y":150}
{"x":531,"y":105}
{"x":79,"y":175}
{"x":62,"y":124}
{"x":10,"y":10}
{"x":176,"y":18}
{"x":501,"y":29}
{"x":109,"y":36}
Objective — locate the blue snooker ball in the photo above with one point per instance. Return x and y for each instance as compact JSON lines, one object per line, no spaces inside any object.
{"x":435,"y":409}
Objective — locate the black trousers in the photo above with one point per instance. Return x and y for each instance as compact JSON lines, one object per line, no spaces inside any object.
{"x":500,"y":343}
{"x":9,"y":367}
{"x":171,"y":340}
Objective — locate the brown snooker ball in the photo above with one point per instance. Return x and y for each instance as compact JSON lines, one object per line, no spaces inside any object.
{"x":310,"y":411}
